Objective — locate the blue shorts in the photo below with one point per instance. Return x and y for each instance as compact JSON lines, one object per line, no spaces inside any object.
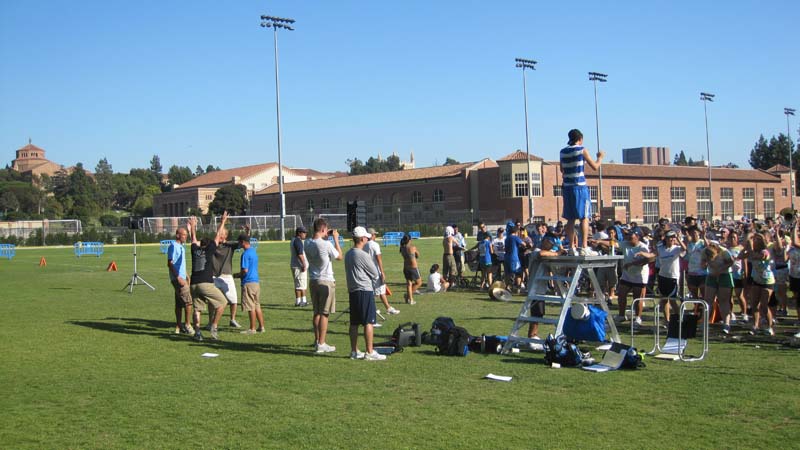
{"x":362,"y":307}
{"x":577,"y":204}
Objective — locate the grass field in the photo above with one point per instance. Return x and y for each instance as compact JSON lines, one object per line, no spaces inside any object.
{"x":86,"y":365}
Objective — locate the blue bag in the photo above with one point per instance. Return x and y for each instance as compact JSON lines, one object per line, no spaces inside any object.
{"x":592,"y":329}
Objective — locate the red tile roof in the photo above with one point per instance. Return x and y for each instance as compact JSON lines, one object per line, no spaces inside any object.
{"x":644,"y":171}
{"x":519,"y":155}
{"x":225,"y":176}
{"x":778,"y":168}
{"x":378,"y":178}
{"x":31,"y":147}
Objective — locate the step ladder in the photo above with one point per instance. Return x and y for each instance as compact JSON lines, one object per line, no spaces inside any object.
{"x":565,"y":272}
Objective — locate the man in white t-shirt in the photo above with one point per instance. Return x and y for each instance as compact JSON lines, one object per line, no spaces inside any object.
{"x":374,"y":250}
{"x":635,"y":274}
{"x":320,"y":253}
{"x":669,"y":252}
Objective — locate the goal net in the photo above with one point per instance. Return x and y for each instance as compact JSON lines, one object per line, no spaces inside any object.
{"x":25,"y":228}
{"x":260,"y":224}
{"x":335,"y":221}
{"x":169,"y":225}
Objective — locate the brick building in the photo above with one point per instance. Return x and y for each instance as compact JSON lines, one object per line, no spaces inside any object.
{"x":31,"y":159}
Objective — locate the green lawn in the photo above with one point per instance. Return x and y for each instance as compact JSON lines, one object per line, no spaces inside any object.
{"x":86,"y":365}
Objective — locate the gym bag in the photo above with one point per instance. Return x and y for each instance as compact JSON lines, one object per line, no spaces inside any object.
{"x":454,"y":343}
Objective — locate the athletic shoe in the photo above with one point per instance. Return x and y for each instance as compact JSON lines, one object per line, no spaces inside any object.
{"x":325,"y":348}
{"x":392,"y":310}
{"x":248,"y":331}
{"x":377,"y":325}
{"x":214,"y":334}
{"x":586,"y":251}
{"x":733,"y":317}
{"x":726,"y":329}
{"x":178,"y":330}
{"x":303,"y":303}
{"x":797,"y":335}
{"x":637,"y":322}
{"x":769,"y":332}
{"x":754,"y":331}
{"x":188,"y":329}
{"x":298,"y":302}
{"x":235,"y":324}
{"x":412,"y":302}
{"x":260,"y":330}
{"x":619,"y":318}
{"x":357,"y":355}
{"x":198,"y":336}
{"x":374,"y":356}
{"x":418,"y":292}
{"x":744,"y":318}
{"x":208,"y":327}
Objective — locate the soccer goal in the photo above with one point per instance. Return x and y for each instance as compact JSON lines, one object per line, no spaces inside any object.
{"x":260,"y":224}
{"x":169,"y":225}
{"x":25,"y":228}
{"x":335,"y":221}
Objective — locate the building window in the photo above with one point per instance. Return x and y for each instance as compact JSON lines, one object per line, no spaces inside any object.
{"x":326,"y":203}
{"x":726,"y":203}
{"x":416,"y":197}
{"x":621,"y":196}
{"x":650,"y":204}
{"x":438,"y":195}
{"x":377,"y":202}
{"x":769,"y":203}
{"x":267,"y":207}
{"x":678,"y":201}
{"x":749,"y":202}
{"x":520,"y":185}
{"x":593,"y":197}
{"x":557,"y":190}
{"x":395,"y":199}
{"x":784,"y":192}
{"x":310,"y":204}
{"x":536,"y":184}
{"x":505,"y":185}
{"x":703,"y":203}
{"x":209,"y":197}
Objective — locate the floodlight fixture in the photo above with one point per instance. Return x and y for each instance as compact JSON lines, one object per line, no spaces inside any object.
{"x":789,"y":111}
{"x":705,"y":97}
{"x":594,"y":77}
{"x":597,"y":76}
{"x":523,"y":64}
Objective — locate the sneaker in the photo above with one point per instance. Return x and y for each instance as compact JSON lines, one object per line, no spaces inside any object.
{"x":178,"y":330}
{"x":574,"y":251}
{"x":753,"y":331}
{"x":769,"y":332}
{"x":304,"y":303}
{"x":214,"y":334}
{"x":619,"y":318}
{"x":726,"y":329}
{"x":208,"y":327}
{"x":392,"y":310}
{"x":357,"y":355}
{"x":298,"y":302}
{"x":198,"y":336}
{"x":374,"y":356}
{"x":188,"y":329}
{"x":797,"y":336}
{"x":377,"y":325}
{"x":412,"y":302}
{"x":418,"y":292}
{"x":733,"y":317}
{"x":260,"y":330}
{"x":325,"y":348}
{"x":235,"y":324}
{"x":637,"y":322}
{"x":586,"y":251}
{"x":248,"y":331}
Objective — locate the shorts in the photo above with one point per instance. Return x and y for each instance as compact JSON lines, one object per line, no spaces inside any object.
{"x":577,"y":204}
{"x":794,"y":285}
{"x":362,"y":308}
{"x":484,"y":265}
{"x":183,"y":296}
{"x":607,"y":276}
{"x":720,"y":281}
{"x":300,"y":279}
{"x":380,"y":290}
{"x":695,"y":280}
{"x":668,"y":287}
{"x":631,"y":285}
{"x":738,"y":284}
{"x":764,"y":286}
{"x":323,"y":297}
{"x":411,"y":274}
{"x":226,"y":284}
{"x":537,"y":308}
{"x":250,"y":296}
{"x":207,"y":293}
{"x":781,"y":275}
{"x":449,"y":269}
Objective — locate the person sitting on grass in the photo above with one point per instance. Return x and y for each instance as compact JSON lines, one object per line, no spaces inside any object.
{"x":251,"y":289}
{"x":435,"y":281}
{"x":362,"y":277}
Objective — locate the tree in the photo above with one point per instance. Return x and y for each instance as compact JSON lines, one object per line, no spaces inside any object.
{"x":8,"y":202}
{"x":374,"y":165}
{"x":680,"y":159}
{"x":198,"y":170}
{"x":231,"y":198}
{"x":450,"y":162}
{"x":211,"y":168}
{"x":155,"y":167}
{"x":105,"y":186}
{"x":179,"y":175}
{"x":767,"y":154}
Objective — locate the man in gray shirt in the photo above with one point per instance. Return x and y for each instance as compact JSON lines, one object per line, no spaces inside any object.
{"x":362,"y":275}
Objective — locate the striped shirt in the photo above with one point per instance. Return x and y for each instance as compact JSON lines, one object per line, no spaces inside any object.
{"x":572,"y":166}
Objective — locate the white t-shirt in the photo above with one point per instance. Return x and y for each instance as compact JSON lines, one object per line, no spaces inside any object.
{"x":669,"y":259}
{"x":435,"y":282}
{"x":320,"y":253}
{"x":499,"y":246}
{"x":634,"y":273}
{"x":374,"y":250}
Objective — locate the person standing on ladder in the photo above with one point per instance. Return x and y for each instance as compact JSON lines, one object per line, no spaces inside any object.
{"x":577,"y":202}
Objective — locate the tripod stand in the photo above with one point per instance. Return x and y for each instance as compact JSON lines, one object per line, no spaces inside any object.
{"x":135,"y":278}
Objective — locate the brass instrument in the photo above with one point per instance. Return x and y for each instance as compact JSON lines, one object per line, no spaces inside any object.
{"x":788,"y":218}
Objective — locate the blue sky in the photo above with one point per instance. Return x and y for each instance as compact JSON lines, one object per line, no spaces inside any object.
{"x":194,"y":81}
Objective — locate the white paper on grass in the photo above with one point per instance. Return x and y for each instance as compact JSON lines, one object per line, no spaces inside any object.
{"x":209,"y":355}
{"x":494,"y":377}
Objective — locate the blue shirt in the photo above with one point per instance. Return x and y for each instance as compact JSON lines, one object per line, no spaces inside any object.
{"x":250,"y":263}
{"x":177,"y":254}
{"x":487,"y":252}
{"x":513,"y":243}
{"x":572,"y":166}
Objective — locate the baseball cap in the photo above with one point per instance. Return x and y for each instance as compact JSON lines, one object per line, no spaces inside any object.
{"x":300,"y":229}
{"x":372,"y":232}
{"x":670,"y":234}
{"x":360,"y":232}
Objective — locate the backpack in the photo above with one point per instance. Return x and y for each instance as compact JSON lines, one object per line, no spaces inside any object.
{"x":407,"y":335}
{"x":454,"y":343}
{"x":558,"y":350}
{"x":633,"y":360}
{"x":439,"y":329}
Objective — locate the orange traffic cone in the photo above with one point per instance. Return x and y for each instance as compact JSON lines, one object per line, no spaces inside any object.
{"x":112,"y":267}
{"x":42,"y":262}
{"x":388,"y":291}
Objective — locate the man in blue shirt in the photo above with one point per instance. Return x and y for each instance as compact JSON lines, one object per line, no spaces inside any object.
{"x":512,"y":261}
{"x":176,"y":262}
{"x":251,"y":289}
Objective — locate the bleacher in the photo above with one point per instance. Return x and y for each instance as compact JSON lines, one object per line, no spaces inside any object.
{"x":414,"y":234}
{"x":8,"y":250}
{"x":392,"y":238}
{"x":88,"y":248}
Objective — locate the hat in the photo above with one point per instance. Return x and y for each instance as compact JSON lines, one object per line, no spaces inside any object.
{"x":689,"y":218}
{"x":670,"y":234}
{"x":300,"y":229}
{"x":360,"y":232}
{"x":372,"y":232}
{"x":448,"y":231}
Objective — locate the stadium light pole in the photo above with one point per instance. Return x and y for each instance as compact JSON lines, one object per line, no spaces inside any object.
{"x":790,"y":112}
{"x":527,"y":64}
{"x":594,"y":77}
{"x":705,"y":98}
{"x":286,"y":24}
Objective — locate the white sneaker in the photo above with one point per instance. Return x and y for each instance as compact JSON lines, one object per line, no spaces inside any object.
{"x":374,"y":356}
{"x":304,"y":303}
{"x":733,"y":317}
{"x":377,"y":325}
{"x":235,"y":324}
{"x":744,"y":318}
{"x":770,"y":332}
{"x":586,"y":251}
{"x":357,"y":355}
{"x":298,"y":302}
{"x":392,"y":310}
{"x":638,"y":321}
{"x":325,"y":348}
{"x":797,"y":336}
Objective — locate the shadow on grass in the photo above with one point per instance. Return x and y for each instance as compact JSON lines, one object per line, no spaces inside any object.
{"x":162,"y":330}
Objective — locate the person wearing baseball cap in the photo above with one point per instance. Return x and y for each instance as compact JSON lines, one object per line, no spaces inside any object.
{"x":362,"y":277}
{"x":299,"y":265}
{"x":374,"y":250}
